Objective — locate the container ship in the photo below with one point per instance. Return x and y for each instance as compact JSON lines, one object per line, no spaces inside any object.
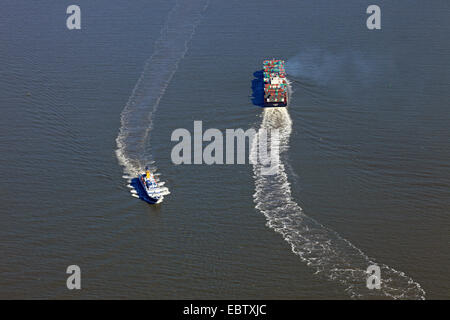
{"x":275,"y":84}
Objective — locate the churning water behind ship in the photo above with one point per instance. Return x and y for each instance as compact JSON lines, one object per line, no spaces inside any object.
{"x":319,"y":247}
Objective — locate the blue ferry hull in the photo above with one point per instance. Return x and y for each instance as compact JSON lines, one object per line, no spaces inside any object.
{"x":146,"y":197}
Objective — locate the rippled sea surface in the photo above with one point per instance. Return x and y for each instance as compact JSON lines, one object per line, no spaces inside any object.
{"x":364,"y":174}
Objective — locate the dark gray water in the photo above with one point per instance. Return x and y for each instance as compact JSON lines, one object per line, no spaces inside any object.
{"x":364,"y":150}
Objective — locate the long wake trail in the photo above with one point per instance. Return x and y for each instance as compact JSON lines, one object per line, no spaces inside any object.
{"x":137,"y":115}
{"x":320,"y":248}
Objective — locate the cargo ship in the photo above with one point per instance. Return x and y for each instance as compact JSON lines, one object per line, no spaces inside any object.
{"x":275,"y":84}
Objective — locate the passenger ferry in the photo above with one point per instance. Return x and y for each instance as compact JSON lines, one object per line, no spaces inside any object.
{"x":148,"y":182}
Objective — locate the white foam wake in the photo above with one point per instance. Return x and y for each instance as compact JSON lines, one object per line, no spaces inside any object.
{"x":137,"y":116}
{"x":319,"y":247}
